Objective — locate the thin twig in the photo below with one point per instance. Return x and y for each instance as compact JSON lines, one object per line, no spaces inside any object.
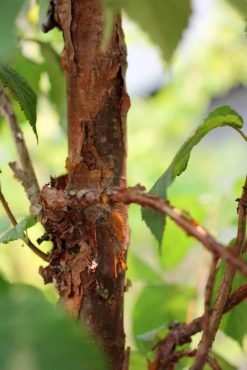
{"x":241,"y":133}
{"x":37,"y":251}
{"x":210,"y":283}
{"x":208,"y":293}
{"x":7,"y":209}
{"x":236,"y":298}
{"x":225,"y":288}
{"x":183,"y":220}
{"x":13,"y":221}
{"x":126,"y":359}
{"x":31,"y":186}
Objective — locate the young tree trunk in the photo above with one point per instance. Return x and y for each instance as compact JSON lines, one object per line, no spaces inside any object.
{"x":90,"y":236}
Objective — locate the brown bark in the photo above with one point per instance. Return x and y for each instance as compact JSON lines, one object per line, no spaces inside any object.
{"x":88,"y":260}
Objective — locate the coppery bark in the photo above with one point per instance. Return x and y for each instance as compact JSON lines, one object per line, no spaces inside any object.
{"x":88,"y":260}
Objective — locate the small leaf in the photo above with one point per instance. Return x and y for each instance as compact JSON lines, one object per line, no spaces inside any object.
{"x":35,"y":335}
{"x":18,"y":232}
{"x":152,"y":336}
{"x":164,"y":21}
{"x":222,"y":116}
{"x":21,"y":91}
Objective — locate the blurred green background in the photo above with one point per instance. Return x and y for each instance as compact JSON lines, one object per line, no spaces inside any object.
{"x":169,"y":101}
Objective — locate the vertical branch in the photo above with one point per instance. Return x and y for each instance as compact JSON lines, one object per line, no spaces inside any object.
{"x":225,"y":288}
{"x":7,"y":209}
{"x":26,"y":173}
{"x":210,"y":284}
{"x":88,"y":260}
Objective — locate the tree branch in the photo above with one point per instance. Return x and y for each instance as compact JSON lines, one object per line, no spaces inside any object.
{"x":208,"y":293}
{"x":30,"y":184}
{"x":225,"y":288}
{"x":183,"y":220}
{"x":236,"y":298}
{"x":210,"y":283}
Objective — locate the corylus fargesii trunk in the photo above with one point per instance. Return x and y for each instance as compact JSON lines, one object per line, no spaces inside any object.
{"x":87,"y":262}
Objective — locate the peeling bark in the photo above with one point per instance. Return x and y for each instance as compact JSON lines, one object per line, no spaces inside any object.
{"x":88,"y":259}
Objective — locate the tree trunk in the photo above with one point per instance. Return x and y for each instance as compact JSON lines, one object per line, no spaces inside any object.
{"x":90,"y":236}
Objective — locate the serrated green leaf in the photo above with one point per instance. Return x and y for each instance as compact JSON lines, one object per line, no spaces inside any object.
{"x":9,"y":11}
{"x":18,"y":232}
{"x":21,"y":91}
{"x":35,"y":335}
{"x":222,"y":116}
{"x":164,"y":21}
{"x":164,"y":304}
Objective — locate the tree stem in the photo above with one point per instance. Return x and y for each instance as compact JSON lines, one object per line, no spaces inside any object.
{"x":88,"y":260}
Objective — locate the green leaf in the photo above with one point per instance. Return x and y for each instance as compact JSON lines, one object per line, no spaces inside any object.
{"x":18,"y":232}
{"x":222,"y":116}
{"x":164,"y":21}
{"x":21,"y":91}
{"x":37,"y":335}
{"x":163,"y":304}
{"x":9,"y":11}
{"x":150,"y":338}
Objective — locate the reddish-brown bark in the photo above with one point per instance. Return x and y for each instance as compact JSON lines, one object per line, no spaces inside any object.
{"x":88,"y":259}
